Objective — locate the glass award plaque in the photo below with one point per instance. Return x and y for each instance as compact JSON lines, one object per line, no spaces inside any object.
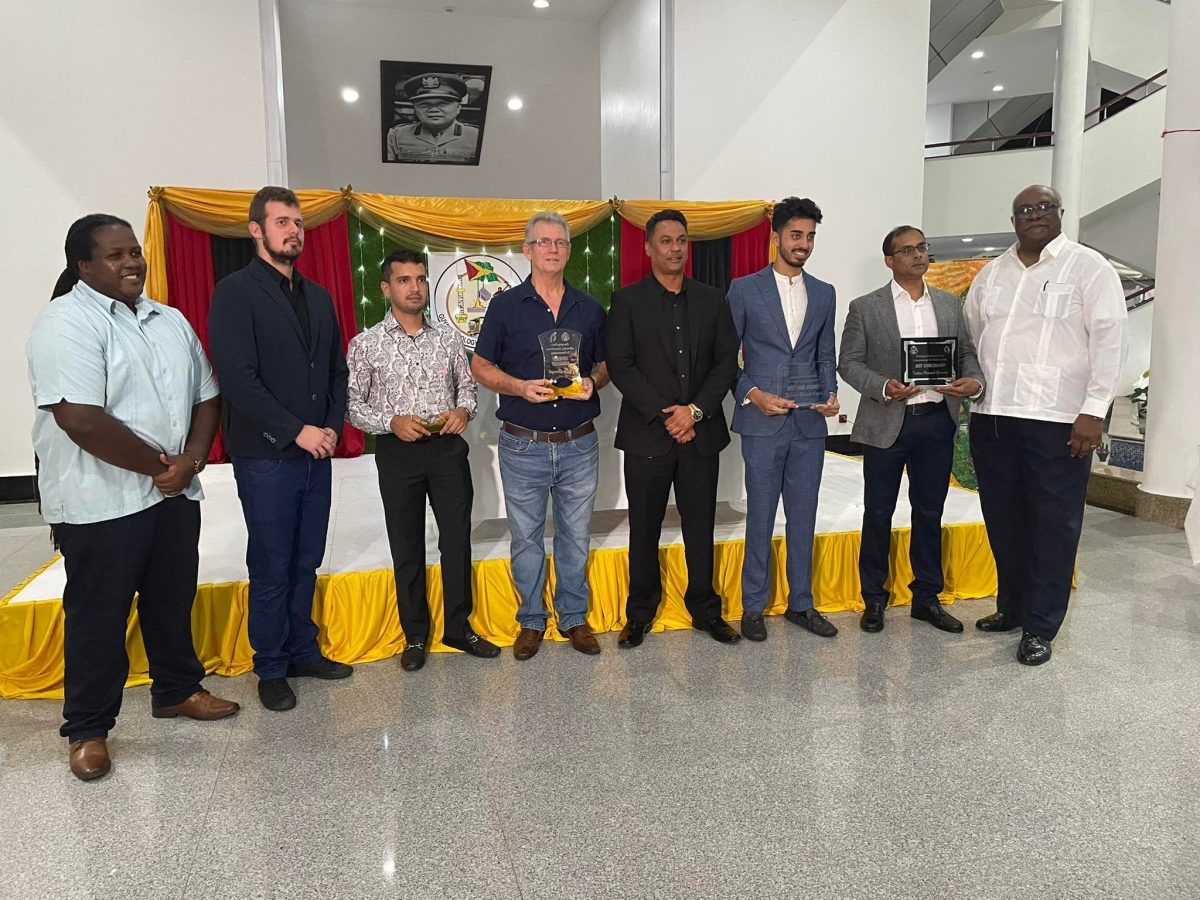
{"x":434,"y":424}
{"x":560,"y":353}
{"x":800,"y":383}
{"x":928,"y":361}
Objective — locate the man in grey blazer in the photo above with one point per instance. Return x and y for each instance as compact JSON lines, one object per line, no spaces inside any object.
{"x":904,"y":426}
{"x":784,"y":319}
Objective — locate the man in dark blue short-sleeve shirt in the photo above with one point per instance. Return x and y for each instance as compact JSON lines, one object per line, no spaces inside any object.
{"x":542,"y":350}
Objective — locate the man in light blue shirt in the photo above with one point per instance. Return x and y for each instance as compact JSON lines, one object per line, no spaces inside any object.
{"x":127,"y":408}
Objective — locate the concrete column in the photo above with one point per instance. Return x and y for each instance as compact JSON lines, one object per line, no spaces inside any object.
{"x":1173,"y":409}
{"x":272,"y":70}
{"x":1070,"y":105}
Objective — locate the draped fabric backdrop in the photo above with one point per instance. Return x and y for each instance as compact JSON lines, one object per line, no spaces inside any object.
{"x":715,"y":261}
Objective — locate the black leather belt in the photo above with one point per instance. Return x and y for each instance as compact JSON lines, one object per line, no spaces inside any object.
{"x":923,"y":409}
{"x":549,"y":437}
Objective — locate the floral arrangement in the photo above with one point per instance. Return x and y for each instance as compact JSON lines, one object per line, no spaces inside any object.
{"x":1139,"y":395}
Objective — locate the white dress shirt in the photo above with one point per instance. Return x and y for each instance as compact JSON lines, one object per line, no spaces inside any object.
{"x":794,"y":298}
{"x":1051,"y":338}
{"x":916,"y":319}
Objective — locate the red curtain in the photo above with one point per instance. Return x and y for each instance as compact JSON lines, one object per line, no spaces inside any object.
{"x":749,"y":251}
{"x":326,"y":260}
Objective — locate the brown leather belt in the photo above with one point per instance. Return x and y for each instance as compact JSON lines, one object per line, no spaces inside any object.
{"x":549,"y":437}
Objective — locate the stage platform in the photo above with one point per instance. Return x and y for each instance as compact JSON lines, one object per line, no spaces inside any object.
{"x":355,"y":603}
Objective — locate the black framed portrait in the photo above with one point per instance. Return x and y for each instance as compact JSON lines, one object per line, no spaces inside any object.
{"x":433,"y":113}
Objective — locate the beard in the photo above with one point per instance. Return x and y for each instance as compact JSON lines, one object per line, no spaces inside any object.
{"x":284,"y":253}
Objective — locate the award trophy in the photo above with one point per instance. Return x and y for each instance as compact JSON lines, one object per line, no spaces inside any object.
{"x":928,"y":361}
{"x":435,"y":424}
{"x":800,"y":383}
{"x":560,"y":353}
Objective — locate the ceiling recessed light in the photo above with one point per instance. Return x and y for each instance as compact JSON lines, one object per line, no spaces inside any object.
{"x":968,"y":240}
{"x":540,"y":4}
{"x":515,"y":103}
{"x":990,"y":249}
{"x":349,"y":94}
{"x":978,"y":54}
{"x":997,"y":87}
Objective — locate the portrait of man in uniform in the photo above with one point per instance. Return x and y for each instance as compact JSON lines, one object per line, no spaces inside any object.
{"x":433,"y":113}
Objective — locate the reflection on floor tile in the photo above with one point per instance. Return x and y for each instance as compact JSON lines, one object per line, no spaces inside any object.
{"x":908,"y":764}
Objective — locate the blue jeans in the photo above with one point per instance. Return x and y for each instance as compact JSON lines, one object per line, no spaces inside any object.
{"x":286,"y":506}
{"x":532,"y":473}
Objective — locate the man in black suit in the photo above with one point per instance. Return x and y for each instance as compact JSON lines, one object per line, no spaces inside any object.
{"x":672,"y":352}
{"x":277,"y":348}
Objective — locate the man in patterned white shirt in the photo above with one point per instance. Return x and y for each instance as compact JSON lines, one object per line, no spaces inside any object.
{"x":411,"y":384}
{"x":1048,"y":321}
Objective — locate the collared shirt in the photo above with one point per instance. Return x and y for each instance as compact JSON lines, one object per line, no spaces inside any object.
{"x":915,"y":319}
{"x":394,"y":373}
{"x":144,"y":367}
{"x":458,"y":143}
{"x":794,"y":297}
{"x":293,"y":290}
{"x":515,"y":320}
{"x":672,"y":311}
{"x":1051,"y":338}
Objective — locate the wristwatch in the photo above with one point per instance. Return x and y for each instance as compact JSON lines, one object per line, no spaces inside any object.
{"x":697,"y":412}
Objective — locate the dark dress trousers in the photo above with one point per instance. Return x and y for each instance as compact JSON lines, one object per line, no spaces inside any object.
{"x":277,"y":351}
{"x":668,"y":349}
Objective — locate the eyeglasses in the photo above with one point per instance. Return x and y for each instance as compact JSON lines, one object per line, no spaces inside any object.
{"x":546,"y":243}
{"x":909,"y":251}
{"x":1040,"y":209}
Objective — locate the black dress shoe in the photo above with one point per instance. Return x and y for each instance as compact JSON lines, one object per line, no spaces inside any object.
{"x":811,"y":620}
{"x":937,"y":617}
{"x":473,"y":644}
{"x":276,"y":694}
{"x":718,"y":629}
{"x":872,"y":618}
{"x":413,"y":656}
{"x":997,"y":622}
{"x":1033,"y":650}
{"x":632,"y":634}
{"x":320,"y":667}
{"x":753,"y":627}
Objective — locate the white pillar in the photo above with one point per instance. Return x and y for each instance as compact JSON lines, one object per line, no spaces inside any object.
{"x":1173,"y":409}
{"x":1070,"y":105}
{"x":272,"y":70}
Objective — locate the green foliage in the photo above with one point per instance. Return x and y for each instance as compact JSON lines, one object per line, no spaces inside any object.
{"x":595,"y":263}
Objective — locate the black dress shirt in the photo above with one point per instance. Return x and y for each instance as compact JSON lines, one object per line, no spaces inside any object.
{"x":293,"y":289}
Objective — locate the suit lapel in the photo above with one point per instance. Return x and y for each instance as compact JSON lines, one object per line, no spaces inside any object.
{"x":885,"y":306}
{"x":945,"y":323}
{"x":695,"y":320}
{"x":773,"y":305}
{"x":274,"y":292}
{"x":811,"y":313}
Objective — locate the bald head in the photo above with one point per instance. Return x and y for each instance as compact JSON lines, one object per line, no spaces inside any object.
{"x":1037,"y":217}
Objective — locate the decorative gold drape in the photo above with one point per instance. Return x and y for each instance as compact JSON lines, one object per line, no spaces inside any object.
{"x":706,"y":221}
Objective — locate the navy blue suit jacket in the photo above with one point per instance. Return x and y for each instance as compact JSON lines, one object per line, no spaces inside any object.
{"x":758,"y":318}
{"x":272,"y":385}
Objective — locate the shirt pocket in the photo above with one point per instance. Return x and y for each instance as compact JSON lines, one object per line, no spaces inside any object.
{"x":1054,"y":300}
{"x":1037,"y":386}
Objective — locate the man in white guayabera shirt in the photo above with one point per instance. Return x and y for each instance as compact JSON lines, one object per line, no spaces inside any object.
{"x":1048,"y":321}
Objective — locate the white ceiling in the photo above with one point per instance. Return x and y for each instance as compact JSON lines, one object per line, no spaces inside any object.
{"x":1022,"y":61}
{"x":560,"y":10}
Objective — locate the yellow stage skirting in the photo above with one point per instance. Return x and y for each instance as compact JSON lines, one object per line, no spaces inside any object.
{"x":356,"y":611}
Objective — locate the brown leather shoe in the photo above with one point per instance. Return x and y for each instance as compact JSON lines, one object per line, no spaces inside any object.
{"x":583,"y":640}
{"x":90,"y":759}
{"x":201,"y":705}
{"x":527,"y":643}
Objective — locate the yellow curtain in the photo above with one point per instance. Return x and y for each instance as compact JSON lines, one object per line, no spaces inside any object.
{"x":706,"y":221}
{"x":444,"y":223}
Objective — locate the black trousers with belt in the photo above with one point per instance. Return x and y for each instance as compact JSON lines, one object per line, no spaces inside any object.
{"x":1032,"y":492}
{"x":648,"y":483}
{"x":410,"y":472}
{"x":155,"y":554}
{"x":925,"y":446}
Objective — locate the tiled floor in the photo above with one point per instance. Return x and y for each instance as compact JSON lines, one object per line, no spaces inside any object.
{"x":910,"y":764}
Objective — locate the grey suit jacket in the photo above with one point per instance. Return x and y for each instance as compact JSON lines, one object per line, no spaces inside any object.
{"x":870,"y":355}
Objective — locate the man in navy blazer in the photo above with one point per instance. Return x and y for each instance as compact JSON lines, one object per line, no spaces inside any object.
{"x":275,"y":342}
{"x":784,"y":318}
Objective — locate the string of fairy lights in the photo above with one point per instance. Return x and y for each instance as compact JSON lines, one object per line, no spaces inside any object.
{"x":368,"y":256}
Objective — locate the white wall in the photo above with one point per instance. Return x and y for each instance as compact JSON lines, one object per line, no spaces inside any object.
{"x":629,"y":100}
{"x":939,"y":127}
{"x":1141,"y":322}
{"x":1131,"y":35}
{"x":1127,"y":230}
{"x":551,"y":148}
{"x":830,"y":105}
{"x":97,"y":103}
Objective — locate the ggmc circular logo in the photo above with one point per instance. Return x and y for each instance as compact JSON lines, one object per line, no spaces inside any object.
{"x":466,"y":287}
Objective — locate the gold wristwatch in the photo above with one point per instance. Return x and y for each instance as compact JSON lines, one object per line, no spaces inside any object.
{"x":697,"y":412}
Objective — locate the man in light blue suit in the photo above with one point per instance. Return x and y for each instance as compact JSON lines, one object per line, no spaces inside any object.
{"x":786,"y":390}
